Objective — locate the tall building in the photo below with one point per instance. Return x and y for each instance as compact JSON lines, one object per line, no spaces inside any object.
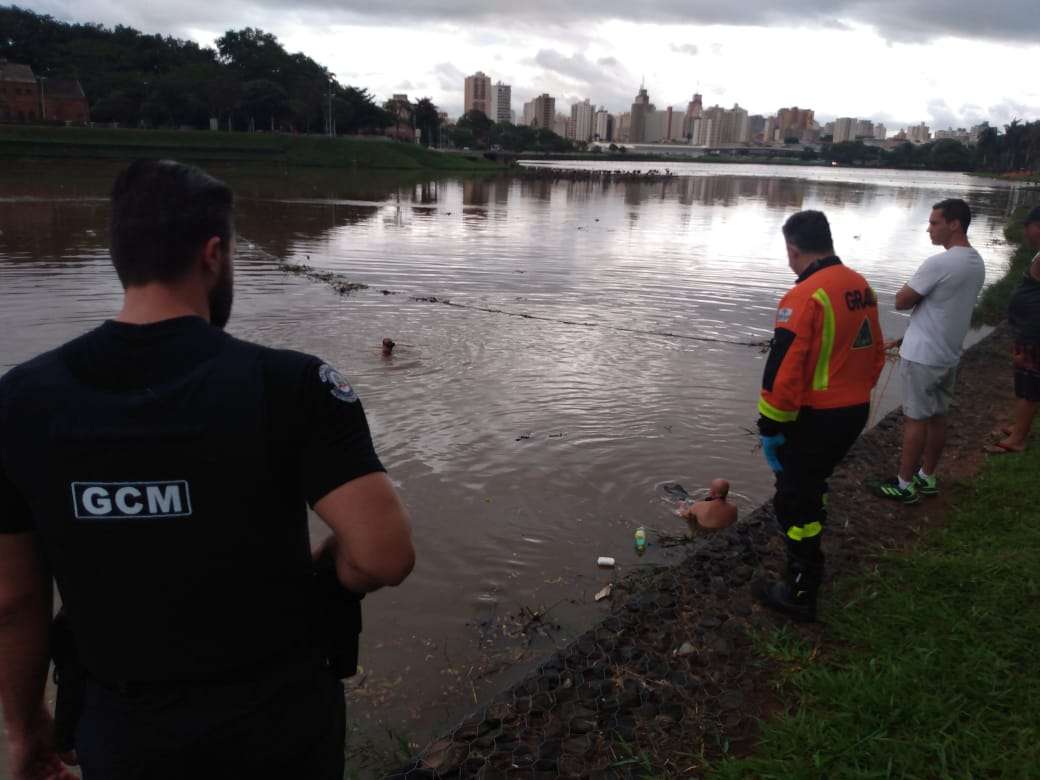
{"x":880,"y":132}
{"x":736,"y":127}
{"x":919,"y":134}
{"x":675,"y":125}
{"x":717,"y":126}
{"x":603,"y":126}
{"x":582,"y":116}
{"x":790,"y":122}
{"x":543,"y":111}
{"x":528,"y":115}
{"x":655,"y":127}
{"x":961,"y":134}
{"x":864,"y":129}
{"x":844,"y":129}
{"x":478,"y":94}
{"x":560,"y":123}
{"x":770,"y":132}
{"x":693,"y":110}
{"x":640,"y":108}
{"x":708,"y":127}
{"x":501,"y":103}
{"x":756,"y":127}
{"x":623,"y":128}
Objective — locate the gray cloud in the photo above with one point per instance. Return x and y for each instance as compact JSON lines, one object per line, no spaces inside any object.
{"x":685,"y":48}
{"x":904,"y":20}
{"x":448,"y":76}
{"x":575,"y":77}
{"x":576,"y":67}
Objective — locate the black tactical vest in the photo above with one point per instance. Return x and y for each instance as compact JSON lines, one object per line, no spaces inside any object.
{"x":177,"y":537}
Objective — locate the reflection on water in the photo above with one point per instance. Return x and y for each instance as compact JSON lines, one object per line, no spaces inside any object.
{"x":525,"y":447}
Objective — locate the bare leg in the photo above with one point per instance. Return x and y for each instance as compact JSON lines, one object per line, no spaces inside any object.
{"x":915,"y":432}
{"x":934,"y":445}
{"x":1024,"y":413}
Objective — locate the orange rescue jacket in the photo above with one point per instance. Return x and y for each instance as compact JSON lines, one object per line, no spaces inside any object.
{"x":827,"y":349}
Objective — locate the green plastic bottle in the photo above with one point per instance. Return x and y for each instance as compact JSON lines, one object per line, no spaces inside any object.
{"x":640,"y":540}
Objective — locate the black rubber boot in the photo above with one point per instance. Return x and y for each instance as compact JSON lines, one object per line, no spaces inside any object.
{"x":795,"y":595}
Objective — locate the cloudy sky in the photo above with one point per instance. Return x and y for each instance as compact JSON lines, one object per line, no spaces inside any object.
{"x":945,"y":62}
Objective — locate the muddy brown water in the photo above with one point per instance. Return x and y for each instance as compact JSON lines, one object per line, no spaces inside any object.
{"x":530,"y":427}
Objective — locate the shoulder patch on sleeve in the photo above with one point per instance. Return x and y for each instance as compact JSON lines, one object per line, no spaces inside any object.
{"x":341,"y":388}
{"x":784,"y":315}
{"x":864,"y":338}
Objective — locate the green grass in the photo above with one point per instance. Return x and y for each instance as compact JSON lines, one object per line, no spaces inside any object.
{"x":932,"y":669}
{"x":28,"y":142}
{"x":992,"y":306}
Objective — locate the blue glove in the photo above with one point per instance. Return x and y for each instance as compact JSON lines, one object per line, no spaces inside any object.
{"x":770,"y":448}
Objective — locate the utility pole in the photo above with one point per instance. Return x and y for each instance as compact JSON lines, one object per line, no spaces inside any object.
{"x":332,"y":129}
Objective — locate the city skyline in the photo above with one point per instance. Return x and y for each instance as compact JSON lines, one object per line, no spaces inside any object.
{"x":697,"y":125}
{"x":843,"y":58}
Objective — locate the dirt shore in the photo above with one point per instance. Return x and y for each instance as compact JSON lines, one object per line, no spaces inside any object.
{"x":670,"y":680}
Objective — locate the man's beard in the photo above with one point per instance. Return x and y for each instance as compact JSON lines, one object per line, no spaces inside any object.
{"x":221,"y":297}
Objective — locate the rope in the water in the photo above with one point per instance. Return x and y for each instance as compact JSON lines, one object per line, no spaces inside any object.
{"x":344,"y":286}
{"x":878,"y":393}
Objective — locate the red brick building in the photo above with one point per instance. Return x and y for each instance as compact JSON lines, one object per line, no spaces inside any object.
{"x":63,"y":100}
{"x":19,"y":93}
{"x":26,"y":98}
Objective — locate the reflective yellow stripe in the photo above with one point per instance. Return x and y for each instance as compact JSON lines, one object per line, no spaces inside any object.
{"x":822,"y":375}
{"x":766,"y":409}
{"x":807,"y":531}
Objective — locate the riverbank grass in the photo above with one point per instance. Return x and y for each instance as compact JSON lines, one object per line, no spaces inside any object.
{"x":930,"y":667}
{"x":992,"y":306}
{"x":29,"y":142}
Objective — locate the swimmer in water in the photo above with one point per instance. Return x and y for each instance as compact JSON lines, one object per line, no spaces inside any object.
{"x":713,"y":512}
{"x":388,"y":347}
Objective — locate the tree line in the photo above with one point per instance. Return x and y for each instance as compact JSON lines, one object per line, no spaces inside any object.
{"x":249,"y":81}
{"x":475,"y":130}
{"x":1016,"y":149}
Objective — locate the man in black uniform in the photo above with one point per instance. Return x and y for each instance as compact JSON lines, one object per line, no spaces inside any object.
{"x":158,"y":469}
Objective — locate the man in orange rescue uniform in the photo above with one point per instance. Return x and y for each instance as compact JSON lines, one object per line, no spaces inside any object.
{"x":826,"y":356}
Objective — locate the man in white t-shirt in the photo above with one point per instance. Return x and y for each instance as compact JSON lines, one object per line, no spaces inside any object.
{"x":942,"y":295}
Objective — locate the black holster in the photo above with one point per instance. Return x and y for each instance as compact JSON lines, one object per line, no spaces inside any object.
{"x":70,"y":678}
{"x":337,"y":619}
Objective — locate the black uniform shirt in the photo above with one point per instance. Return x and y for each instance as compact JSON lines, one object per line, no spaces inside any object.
{"x":166,"y":469}
{"x":1024,"y":310}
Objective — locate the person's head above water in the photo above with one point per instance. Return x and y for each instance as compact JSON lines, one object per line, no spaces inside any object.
{"x":719,"y":488}
{"x":172,"y":241}
{"x":808,"y":237}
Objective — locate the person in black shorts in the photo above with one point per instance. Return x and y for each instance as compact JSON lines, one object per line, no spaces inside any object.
{"x":1024,"y":321}
{"x":159,"y":470}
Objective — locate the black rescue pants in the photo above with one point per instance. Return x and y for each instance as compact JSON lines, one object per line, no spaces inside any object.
{"x":289,"y":725}
{"x":815,"y":443}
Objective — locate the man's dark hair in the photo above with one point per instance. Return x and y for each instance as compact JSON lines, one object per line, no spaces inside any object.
{"x":163,"y":212}
{"x":809,"y":231}
{"x":1032,"y":216}
{"x":955,"y":209}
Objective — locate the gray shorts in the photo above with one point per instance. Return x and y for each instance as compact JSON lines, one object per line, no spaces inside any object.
{"x":927,"y":390}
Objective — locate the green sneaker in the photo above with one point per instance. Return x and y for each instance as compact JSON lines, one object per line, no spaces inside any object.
{"x":926,"y":487}
{"x":890,"y":489}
